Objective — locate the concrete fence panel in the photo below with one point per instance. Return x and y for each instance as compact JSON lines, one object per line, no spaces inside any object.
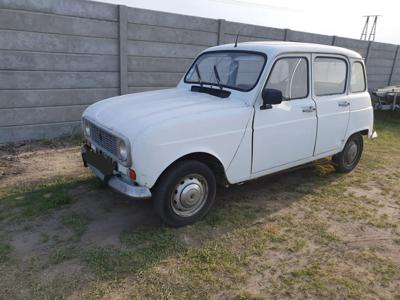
{"x":53,"y":97}
{"x":59,"y":56}
{"x":395,"y":74}
{"x":76,"y":8}
{"x":48,"y":23}
{"x":379,"y":64}
{"x":355,"y":45}
{"x":248,"y":32}
{"x":67,"y":62}
{"x":299,"y":36}
{"x":162,"y":45}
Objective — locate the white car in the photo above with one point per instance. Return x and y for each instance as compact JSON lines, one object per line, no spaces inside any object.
{"x":240,"y":112}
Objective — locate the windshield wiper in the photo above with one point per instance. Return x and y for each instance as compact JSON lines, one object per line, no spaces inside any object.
{"x":196,"y":67}
{"x":217,"y":77}
{"x":210,"y":91}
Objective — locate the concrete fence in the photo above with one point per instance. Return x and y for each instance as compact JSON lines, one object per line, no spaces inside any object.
{"x":59,"y":56}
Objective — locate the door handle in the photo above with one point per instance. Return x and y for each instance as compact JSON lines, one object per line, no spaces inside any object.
{"x":344,"y":103}
{"x":308,"y":109}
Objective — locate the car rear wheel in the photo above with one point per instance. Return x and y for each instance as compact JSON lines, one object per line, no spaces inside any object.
{"x":348,"y":159}
{"x":185,"y":193}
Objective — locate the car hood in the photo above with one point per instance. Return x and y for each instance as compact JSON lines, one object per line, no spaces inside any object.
{"x":132,"y":114}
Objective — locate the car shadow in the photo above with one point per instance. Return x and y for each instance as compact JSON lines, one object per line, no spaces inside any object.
{"x":112,"y":213}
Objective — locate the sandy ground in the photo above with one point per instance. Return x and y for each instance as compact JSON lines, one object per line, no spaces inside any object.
{"x":33,"y":163}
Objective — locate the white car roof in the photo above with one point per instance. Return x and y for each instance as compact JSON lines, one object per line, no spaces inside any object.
{"x":274,"y":48}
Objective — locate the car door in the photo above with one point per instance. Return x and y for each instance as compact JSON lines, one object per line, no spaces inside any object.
{"x":330,"y":76}
{"x":286,"y":132}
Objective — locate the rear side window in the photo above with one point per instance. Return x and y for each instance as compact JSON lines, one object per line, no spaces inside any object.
{"x":357,"y":82}
{"x":290,"y":76}
{"x":329,"y":76}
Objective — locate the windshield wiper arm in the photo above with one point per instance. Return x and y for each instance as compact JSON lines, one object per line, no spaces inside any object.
{"x":217,"y":77}
{"x":196,"y":67}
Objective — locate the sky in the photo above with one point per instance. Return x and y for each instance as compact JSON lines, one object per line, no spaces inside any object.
{"x":338,"y":17}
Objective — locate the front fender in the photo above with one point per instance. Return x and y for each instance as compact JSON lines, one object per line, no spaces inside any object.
{"x":216,"y":133}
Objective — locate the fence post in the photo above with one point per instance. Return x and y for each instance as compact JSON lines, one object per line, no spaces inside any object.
{"x":393,"y":65}
{"x":123,"y":45}
{"x":333,"y":40}
{"x":221,"y":31}
{"x":285,"y":34}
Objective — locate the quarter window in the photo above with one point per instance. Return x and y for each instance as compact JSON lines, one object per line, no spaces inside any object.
{"x":329,"y":76}
{"x":290,"y":76}
{"x":357,"y":82}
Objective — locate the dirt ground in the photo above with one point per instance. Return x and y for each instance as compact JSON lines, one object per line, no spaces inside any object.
{"x":310,"y":233}
{"x":27,"y":165}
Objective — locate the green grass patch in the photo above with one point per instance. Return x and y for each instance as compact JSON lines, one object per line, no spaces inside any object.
{"x":63,"y":253}
{"x":231,"y":213}
{"x":76,"y":223}
{"x":5,"y":250}
{"x":143,"y":248}
{"x":26,"y":202}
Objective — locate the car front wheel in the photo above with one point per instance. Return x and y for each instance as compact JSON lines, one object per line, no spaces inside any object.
{"x":348,"y":159}
{"x":185,"y":193}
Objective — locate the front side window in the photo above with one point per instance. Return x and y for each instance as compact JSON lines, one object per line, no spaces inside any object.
{"x":290,"y":76}
{"x":357,"y":82}
{"x":233,"y":69}
{"x":329,"y":76}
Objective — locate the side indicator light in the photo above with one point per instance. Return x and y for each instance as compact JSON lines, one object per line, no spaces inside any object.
{"x":132,"y":174}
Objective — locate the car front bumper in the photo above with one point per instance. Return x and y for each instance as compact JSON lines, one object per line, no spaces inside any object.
{"x":110,"y":176}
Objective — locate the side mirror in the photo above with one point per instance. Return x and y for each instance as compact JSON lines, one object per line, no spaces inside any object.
{"x":270,"y":97}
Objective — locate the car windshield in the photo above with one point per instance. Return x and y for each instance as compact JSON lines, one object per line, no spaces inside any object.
{"x":231,"y":69}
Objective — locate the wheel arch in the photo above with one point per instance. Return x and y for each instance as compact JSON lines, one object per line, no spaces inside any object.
{"x":208,"y":159}
{"x":363,"y":132}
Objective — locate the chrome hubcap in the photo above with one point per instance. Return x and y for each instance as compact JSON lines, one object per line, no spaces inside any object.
{"x":351,"y":153}
{"x":189,"y":195}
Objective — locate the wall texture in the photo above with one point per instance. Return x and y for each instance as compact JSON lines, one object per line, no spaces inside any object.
{"x":59,"y":56}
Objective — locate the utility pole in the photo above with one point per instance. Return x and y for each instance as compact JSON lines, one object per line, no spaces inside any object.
{"x":372,"y":33}
{"x":365,"y":29}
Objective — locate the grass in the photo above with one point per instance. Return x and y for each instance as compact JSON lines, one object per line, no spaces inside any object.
{"x":5,"y":250}
{"x":144,"y":248}
{"x":69,"y":248}
{"x":62,"y":254}
{"x":30,"y":202}
{"x":311,"y":233}
{"x":76,"y":223}
{"x":75,"y":138}
{"x":246,"y":295}
{"x":27,"y":202}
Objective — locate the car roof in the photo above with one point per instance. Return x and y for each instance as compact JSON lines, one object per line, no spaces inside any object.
{"x":274,"y":48}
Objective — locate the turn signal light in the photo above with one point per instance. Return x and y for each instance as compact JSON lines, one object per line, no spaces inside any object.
{"x":132,"y":175}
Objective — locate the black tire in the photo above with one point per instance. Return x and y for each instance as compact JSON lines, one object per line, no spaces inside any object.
{"x":348,"y":159}
{"x":174,"y":192}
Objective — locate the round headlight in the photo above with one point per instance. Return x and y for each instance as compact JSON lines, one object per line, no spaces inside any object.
{"x":87,"y":129}
{"x":122,"y":150}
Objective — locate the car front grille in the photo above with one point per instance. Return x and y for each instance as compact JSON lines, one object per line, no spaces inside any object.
{"x":104,"y":139}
